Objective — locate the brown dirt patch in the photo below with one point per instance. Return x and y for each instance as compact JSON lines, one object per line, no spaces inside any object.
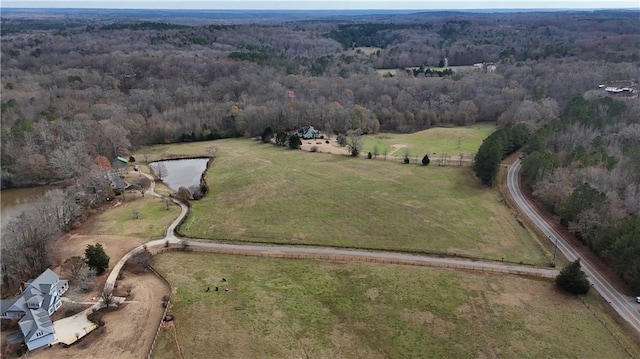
{"x":323,"y":147}
{"x":74,"y":245}
{"x":128,"y":331}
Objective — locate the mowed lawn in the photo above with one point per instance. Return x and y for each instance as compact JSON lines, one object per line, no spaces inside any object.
{"x":436,"y":141}
{"x":287,"y":308}
{"x":152,"y":221}
{"x":260,"y":192}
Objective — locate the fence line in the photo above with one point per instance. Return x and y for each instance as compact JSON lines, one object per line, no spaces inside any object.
{"x":607,"y":328}
{"x":164,"y":313}
{"x":342,"y":258}
{"x":336,"y":258}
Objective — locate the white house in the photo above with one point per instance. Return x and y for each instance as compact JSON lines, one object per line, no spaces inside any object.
{"x":39,"y":299}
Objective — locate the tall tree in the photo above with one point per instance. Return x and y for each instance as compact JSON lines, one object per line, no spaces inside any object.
{"x":96,"y":258}
{"x":487,"y":161}
{"x":354,"y":141}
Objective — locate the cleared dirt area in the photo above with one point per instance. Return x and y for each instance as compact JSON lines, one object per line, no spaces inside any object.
{"x":74,"y":245}
{"x":128,"y":331}
{"x":324,"y":147}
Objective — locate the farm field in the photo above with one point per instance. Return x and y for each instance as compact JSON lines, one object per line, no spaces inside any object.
{"x":287,"y":308}
{"x":263,"y":193}
{"x":435,"y":141}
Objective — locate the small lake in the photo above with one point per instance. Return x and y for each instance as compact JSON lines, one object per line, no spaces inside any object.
{"x":182,"y":173}
{"x":14,"y":201}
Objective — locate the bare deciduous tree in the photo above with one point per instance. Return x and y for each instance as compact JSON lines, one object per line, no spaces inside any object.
{"x":106,"y":296}
{"x":159,"y":170}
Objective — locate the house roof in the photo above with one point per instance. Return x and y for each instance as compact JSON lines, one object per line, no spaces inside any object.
{"x":42,"y":292}
{"x":45,"y":281}
{"x":35,"y":320}
{"x":116,"y":181}
{"x":6,"y":304}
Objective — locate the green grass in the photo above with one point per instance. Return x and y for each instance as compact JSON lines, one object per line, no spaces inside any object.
{"x":435,"y":141}
{"x":259,"y":192}
{"x":153,"y":221}
{"x":284,"y":308}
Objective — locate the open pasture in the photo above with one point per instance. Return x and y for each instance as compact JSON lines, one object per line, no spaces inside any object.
{"x":262,"y":193}
{"x":435,"y":141}
{"x":287,"y":308}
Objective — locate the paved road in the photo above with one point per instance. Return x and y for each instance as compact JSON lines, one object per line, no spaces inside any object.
{"x":626,"y":306}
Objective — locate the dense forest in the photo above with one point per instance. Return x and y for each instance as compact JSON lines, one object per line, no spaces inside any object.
{"x":81,"y":87}
{"x":585,"y":167}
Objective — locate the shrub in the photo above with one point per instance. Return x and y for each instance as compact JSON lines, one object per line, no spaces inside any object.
{"x":314,"y":149}
{"x":369,"y":155}
{"x":184,"y":193}
{"x":139,"y":261}
{"x":572,"y":279}
{"x":295,"y":142}
{"x":425,"y":160}
{"x":406,"y":160}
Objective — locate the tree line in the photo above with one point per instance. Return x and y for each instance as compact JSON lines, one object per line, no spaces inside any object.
{"x":76,"y":89}
{"x":584,"y":167}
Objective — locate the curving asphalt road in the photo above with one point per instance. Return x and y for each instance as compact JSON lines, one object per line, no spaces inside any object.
{"x":626,"y":306}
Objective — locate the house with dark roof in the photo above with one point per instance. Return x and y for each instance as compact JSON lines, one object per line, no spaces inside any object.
{"x":39,"y":299}
{"x":308,"y":132}
{"x":117,"y":183}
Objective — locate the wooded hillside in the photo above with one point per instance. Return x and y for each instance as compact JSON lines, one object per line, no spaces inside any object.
{"x":101,"y":85}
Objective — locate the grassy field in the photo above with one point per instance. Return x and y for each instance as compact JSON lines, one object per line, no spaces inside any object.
{"x":283,"y":308}
{"x":435,"y":141}
{"x":153,"y":220}
{"x":263,"y":193}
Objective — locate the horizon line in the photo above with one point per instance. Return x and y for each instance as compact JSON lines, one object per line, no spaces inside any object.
{"x":320,"y":9}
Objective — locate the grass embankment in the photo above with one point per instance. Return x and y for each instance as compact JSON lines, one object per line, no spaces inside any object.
{"x":263,"y":193}
{"x":153,"y":220}
{"x":436,"y":141}
{"x":281,"y":308}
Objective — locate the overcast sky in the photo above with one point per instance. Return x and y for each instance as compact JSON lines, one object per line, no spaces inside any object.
{"x":326,"y":5}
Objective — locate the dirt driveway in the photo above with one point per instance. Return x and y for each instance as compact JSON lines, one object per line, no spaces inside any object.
{"x":128,"y":331}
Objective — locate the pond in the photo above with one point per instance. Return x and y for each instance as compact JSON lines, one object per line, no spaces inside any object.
{"x":181,"y":173}
{"x":14,"y":201}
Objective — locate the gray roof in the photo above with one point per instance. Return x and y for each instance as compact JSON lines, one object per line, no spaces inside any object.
{"x":34,"y":321}
{"x":5,"y":304}
{"x":41,"y":291}
{"x":116,"y":181}
{"x":45,"y":281}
